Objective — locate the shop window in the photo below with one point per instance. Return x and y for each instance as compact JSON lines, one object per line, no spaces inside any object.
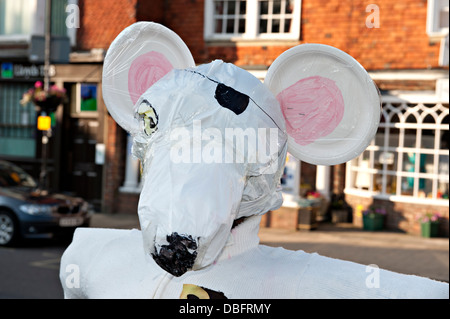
{"x":252,"y":19}
{"x":408,"y":157}
{"x":17,"y":122}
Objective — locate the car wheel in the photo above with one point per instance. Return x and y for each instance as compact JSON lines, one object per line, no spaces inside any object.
{"x":8,"y":228}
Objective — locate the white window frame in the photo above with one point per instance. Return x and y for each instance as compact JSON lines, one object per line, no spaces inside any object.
{"x":366,"y":169}
{"x":252,"y":26}
{"x":37,"y":7}
{"x":434,"y":10}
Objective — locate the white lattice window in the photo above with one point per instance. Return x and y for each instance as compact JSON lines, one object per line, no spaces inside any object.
{"x":252,"y":19}
{"x":409,"y":158}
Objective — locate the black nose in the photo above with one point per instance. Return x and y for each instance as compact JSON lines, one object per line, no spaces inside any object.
{"x":178,"y":256}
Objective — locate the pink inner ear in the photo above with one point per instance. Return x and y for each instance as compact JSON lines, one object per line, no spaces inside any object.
{"x":312,"y":107}
{"x":144,"y":71}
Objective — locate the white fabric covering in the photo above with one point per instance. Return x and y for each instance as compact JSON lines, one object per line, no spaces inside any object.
{"x":111,"y":264}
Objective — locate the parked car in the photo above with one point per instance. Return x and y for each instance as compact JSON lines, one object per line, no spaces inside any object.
{"x":27,"y":212}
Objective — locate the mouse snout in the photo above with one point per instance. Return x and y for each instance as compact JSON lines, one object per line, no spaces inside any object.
{"x":178,"y":255}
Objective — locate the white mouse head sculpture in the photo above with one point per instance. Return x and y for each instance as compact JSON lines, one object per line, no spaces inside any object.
{"x":213,"y":139}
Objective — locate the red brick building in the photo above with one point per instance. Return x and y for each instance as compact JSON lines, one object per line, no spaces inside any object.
{"x":399,"y":52}
{"x":403,"y":45}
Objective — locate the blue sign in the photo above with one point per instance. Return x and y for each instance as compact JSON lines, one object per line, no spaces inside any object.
{"x":7,"y":70}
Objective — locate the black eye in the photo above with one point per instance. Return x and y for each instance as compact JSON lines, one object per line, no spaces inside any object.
{"x":231,"y":99}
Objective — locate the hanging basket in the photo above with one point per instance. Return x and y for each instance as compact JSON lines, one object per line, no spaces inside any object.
{"x":47,"y":100}
{"x":50,"y":104}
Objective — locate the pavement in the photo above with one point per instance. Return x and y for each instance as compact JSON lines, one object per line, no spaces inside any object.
{"x":391,"y":250}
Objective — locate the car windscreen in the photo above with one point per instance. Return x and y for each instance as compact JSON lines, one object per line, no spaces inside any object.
{"x":13,"y":176}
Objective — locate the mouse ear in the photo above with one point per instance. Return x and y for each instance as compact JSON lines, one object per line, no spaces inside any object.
{"x":330,"y":104}
{"x":139,"y":56}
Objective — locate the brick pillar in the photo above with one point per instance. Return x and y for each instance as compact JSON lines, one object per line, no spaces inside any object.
{"x":338,"y":179}
{"x":114,"y":165}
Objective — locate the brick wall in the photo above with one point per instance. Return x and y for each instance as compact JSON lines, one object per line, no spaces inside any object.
{"x":153,"y":10}
{"x":102,"y":20}
{"x":401,"y":41}
{"x":185,"y":17}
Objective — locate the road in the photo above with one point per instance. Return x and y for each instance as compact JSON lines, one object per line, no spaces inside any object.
{"x":31,"y":270}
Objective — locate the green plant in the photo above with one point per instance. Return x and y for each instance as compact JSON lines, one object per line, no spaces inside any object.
{"x":428,"y":217}
{"x":374,"y":211}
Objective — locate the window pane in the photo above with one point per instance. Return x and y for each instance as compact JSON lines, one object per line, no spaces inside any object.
{"x":426,"y":191}
{"x":16,"y":17}
{"x":428,"y":134}
{"x":276,"y":7}
{"x":230,"y":26}
{"x":263,"y":26}
{"x":287,"y":25}
{"x":391,"y":184}
{"x":243,"y":7}
{"x":229,"y":17}
{"x":443,"y":19}
{"x":427,"y":139}
{"x":428,"y":165}
{"x":407,"y":186}
{"x":275,"y":26}
{"x":378,"y":182}
{"x":394,"y":135}
{"x":409,"y":160}
{"x":410,"y":138}
{"x":241,"y":26}
{"x":362,"y":176}
{"x":411,"y":119}
{"x":264,"y":7}
{"x":269,"y":18}
{"x":17,"y":122}
{"x":289,"y":6}
{"x":218,"y":28}
{"x":443,"y":176}
{"x":218,"y":8}
{"x":388,"y":158}
{"x":231,"y":7}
